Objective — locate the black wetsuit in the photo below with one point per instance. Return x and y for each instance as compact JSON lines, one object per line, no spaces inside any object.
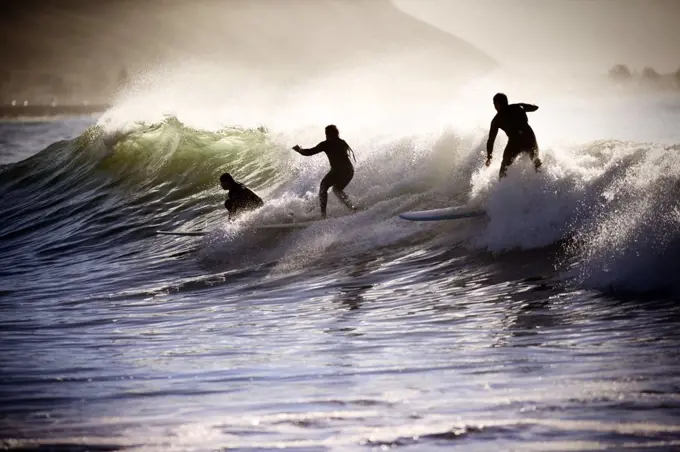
{"x":521,"y":138}
{"x":341,"y":173}
{"x":241,"y":199}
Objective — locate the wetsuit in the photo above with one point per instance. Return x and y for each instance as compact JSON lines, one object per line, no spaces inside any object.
{"x":241,"y":199}
{"x":513,"y":120}
{"x":341,"y":173}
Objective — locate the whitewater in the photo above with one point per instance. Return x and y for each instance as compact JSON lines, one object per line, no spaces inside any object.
{"x":550,"y":324}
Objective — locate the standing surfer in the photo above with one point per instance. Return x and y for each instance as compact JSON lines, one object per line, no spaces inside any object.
{"x":512,"y":119}
{"x":342,"y":170}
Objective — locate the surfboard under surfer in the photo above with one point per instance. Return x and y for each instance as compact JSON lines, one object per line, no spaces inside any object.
{"x":342,"y":171}
{"x":240,"y":198}
{"x":512,"y":119}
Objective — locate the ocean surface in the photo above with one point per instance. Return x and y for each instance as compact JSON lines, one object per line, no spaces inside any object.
{"x":551,"y":324}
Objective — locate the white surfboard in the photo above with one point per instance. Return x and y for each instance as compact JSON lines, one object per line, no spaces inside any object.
{"x":290,"y":225}
{"x":448,"y":213}
{"x":294,"y":225}
{"x":185,"y":234}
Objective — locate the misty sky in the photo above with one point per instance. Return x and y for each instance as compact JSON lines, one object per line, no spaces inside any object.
{"x":581,"y":34}
{"x":86,"y":43}
{"x":78,"y":47}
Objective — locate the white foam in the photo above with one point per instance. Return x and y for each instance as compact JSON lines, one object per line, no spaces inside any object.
{"x":424,"y":148}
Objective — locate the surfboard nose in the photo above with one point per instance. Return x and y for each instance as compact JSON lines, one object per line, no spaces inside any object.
{"x":448,"y":213}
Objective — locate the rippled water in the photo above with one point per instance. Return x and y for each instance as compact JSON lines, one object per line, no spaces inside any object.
{"x":415,"y":349}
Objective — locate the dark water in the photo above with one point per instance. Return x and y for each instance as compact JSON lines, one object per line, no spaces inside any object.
{"x":550,"y":325}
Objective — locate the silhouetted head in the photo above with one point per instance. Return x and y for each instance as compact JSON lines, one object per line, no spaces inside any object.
{"x":227,"y":181}
{"x":500,"y":100}
{"x":332,"y":132}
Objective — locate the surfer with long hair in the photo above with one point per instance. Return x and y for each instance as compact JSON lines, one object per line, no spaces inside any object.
{"x":342,"y":170}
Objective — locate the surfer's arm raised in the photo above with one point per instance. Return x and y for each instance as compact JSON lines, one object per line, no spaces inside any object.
{"x":529,"y":107}
{"x":493,"y":131}
{"x":307,"y":152}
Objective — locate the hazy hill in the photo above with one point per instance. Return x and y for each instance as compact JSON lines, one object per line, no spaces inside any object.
{"x":76,"y":48}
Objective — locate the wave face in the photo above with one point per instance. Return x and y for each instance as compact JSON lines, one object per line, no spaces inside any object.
{"x":611,"y":204}
{"x":90,"y":197}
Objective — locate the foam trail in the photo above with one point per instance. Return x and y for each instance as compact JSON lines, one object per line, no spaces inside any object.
{"x":616,"y":202}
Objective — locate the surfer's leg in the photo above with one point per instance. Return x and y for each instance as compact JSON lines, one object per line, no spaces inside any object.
{"x":326,"y":183}
{"x":533,"y":153}
{"x":339,"y":186}
{"x":342,"y":196}
{"x":530,"y":146}
{"x":509,"y":156}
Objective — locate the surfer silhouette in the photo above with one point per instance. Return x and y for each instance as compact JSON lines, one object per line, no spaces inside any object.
{"x":240,"y":199}
{"x":342,"y":170}
{"x":512,"y":119}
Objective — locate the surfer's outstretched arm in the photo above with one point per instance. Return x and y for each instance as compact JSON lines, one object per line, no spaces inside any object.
{"x":492,"y":138}
{"x":529,"y":107}
{"x":307,"y":152}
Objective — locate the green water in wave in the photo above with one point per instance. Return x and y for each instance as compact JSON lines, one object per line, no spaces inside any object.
{"x":192,"y":160}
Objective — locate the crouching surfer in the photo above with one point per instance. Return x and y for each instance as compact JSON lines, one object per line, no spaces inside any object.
{"x":240,"y":198}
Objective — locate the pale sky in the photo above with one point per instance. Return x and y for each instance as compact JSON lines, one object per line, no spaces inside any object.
{"x":589,"y":35}
{"x":86,"y":43}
